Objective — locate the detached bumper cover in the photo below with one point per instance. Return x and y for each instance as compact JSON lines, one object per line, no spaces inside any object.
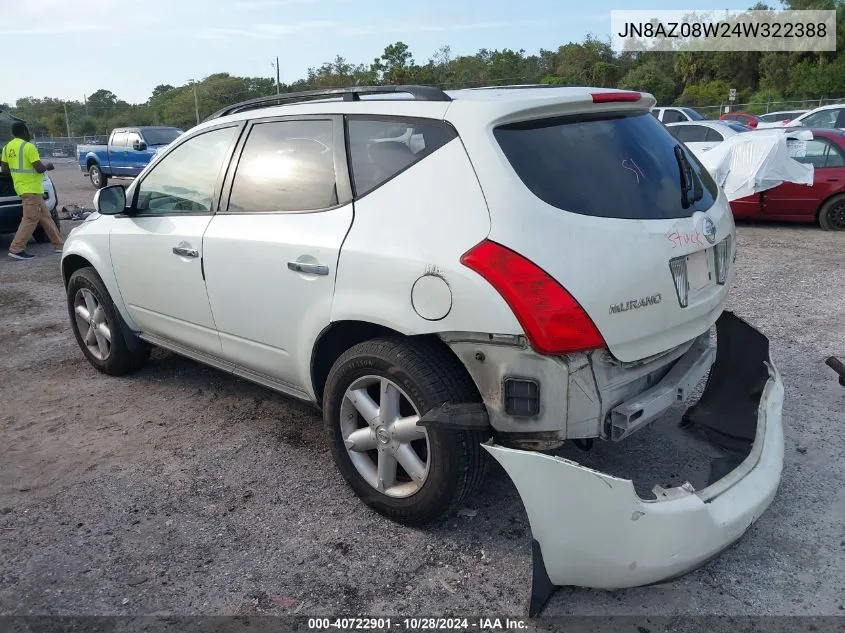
{"x":592,"y":529}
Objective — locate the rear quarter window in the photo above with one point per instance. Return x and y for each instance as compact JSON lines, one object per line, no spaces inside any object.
{"x":623,"y":166}
{"x":382,"y":147}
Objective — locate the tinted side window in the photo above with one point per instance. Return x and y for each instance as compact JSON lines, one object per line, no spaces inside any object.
{"x":673,"y":116}
{"x":823,"y":119}
{"x":693,"y":114}
{"x":835,"y":158}
{"x":655,"y":114}
{"x":184,"y":180}
{"x":119,"y":139}
{"x":691,"y":133}
{"x":619,"y":167}
{"x":820,"y":153}
{"x":286,"y":166}
{"x":713,"y":136}
{"x":380,"y":148}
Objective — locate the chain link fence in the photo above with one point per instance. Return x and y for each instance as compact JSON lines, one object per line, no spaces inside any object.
{"x":714,"y":111}
{"x":65,"y":146}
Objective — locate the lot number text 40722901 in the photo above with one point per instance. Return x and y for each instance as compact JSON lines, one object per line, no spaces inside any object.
{"x":417,"y":624}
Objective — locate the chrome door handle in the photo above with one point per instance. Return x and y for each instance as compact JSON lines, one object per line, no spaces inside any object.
{"x":310,"y":269}
{"x":186,"y":252}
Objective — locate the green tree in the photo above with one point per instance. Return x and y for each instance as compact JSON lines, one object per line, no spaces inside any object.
{"x":709,"y":93}
{"x":649,"y":78}
{"x":102,"y":102}
{"x":160,"y":90}
{"x":394,"y":64}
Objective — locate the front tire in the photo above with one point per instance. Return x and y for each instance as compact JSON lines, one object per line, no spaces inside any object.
{"x":832,"y":214}
{"x":98,"y":329}
{"x":374,"y":394}
{"x":97,"y":177}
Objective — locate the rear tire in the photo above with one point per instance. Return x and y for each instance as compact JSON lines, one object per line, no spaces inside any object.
{"x":832,"y":214}
{"x":97,"y":177}
{"x":425,"y":376}
{"x":98,"y":327}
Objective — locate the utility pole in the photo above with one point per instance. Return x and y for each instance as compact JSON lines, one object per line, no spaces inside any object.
{"x":278,"y":76}
{"x":196,"y":102}
{"x":67,"y":120}
{"x":85,"y":101}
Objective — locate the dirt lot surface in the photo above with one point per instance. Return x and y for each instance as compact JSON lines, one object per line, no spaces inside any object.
{"x":182,"y":490}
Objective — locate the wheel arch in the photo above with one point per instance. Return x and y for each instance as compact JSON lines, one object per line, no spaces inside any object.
{"x":339,"y":336}
{"x":71,"y":264}
{"x":92,"y":160}
{"x":84,"y":256}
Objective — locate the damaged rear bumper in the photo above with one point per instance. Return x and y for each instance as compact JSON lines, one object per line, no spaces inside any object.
{"x":591,"y":529}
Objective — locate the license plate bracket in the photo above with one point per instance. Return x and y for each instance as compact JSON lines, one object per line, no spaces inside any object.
{"x":698,"y":270}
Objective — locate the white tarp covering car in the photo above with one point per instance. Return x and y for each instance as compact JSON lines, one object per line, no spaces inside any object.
{"x":749,"y":163}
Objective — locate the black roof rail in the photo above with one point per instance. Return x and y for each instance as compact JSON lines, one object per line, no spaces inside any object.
{"x":352,"y":93}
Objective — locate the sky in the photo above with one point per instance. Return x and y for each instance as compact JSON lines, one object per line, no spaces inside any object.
{"x":67,"y":49}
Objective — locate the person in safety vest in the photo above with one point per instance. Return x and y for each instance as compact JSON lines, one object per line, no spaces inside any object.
{"x":20,"y":159}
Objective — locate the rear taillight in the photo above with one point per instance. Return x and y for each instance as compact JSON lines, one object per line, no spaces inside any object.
{"x":610,"y":97}
{"x":553,"y":320}
{"x":678,"y":266}
{"x":722,"y":252}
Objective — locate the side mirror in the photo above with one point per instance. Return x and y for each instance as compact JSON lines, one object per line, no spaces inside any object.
{"x":139,"y":145}
{"x":110,"y":200}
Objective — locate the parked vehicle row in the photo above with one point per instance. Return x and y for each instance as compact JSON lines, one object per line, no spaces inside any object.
{"x":125,"y":155}
{"x":823,"y":202}
{"x":823,"y":117}
{"x":779,"y":118}
{"x":704,"y":135}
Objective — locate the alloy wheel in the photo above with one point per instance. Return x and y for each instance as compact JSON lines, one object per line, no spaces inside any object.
{"x":378,"y":423}
{"x":92,"y":324}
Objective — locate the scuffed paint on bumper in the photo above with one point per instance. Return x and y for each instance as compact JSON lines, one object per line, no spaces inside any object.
{"x":592,"y":529}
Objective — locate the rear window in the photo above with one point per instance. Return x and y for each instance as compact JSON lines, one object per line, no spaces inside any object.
{"x":625,"y":166}
{"x":736,"y":127}
{"x":693,"y":115}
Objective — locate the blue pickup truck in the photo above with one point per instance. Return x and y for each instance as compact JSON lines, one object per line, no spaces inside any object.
{"x":128,"y":151}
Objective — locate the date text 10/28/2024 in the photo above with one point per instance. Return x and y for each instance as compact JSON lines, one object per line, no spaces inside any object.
{"x":416,"y":624}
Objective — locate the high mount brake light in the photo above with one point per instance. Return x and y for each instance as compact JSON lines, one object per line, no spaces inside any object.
{"x":553,"y":320}
{"x":610,"y":97}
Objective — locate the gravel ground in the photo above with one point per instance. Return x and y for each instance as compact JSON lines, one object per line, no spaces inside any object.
{"x":182,"y":490}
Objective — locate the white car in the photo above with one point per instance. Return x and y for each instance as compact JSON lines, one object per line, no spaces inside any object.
{"x":453,"y":276}
{"x":829,"y":116}
{"x":676,"y":114}
{"x":781,"y":118}
{"x":701,"y":136}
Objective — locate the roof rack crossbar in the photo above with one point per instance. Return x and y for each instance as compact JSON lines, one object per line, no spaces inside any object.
{"x":352,"y":93}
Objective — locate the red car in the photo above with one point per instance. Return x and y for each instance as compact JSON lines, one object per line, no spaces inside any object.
{"x":822,"y":202}
{"x":748,"y":120}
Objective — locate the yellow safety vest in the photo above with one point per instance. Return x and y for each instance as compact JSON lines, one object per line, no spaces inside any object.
{"x":20,"y":155}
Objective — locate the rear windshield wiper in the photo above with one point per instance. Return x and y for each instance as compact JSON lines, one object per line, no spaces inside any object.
{"x":685,"y":183}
